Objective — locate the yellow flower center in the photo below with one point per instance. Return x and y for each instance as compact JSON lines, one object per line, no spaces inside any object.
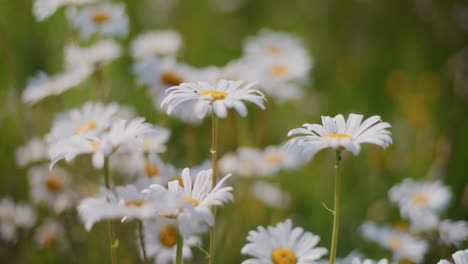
{"x":191,"y":200}
{"x":421,"y":198}
{"x":283,"y":256}
{"x":280,"y":70}
{"x":273,"y":49}
{"x":168,"y":236}
{"x":51,"y":240}
{"x":339,"y":136}
{"x":401,"y":226}
{"x":135,"y":203}
{"x":101,"y":17}
{"x":151,"y":170}
{"x":273,"y":159}
{"x":217,"y":95}
{"x":86,"y":126}
{"x":53,"y":183}
{"x":171,"y":78}
{"x":95,"y":144}
{"x":394,"y":243}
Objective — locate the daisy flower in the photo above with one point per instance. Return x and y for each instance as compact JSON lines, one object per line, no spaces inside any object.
{"x":275,"y":158}
{"x":420,"y":197}
{"x":459,"y":257}
{"x":339,"y":134}
{"x":106,"y":19}
{"x":401,"y":244}
{"x":34,"y":151}
{"x":453,"y":232}
{"x":282,"y":244}
{"x":92,"y":119}
{"x":156,"y":43}
{"x":161,"y":240}
{"x":14,"y":216}
{"x":226,"y":94}
{"x":155,"y":140}
{"x":42,"y":85}
{"x":43,"y":9}
{"x":271,"y":195}
{"x":92,"y":57}
{"x":243,"y":163}
{"x":272,"y":44}
{"x":128,"y":203}
{"x":50,"y":234}
{"x":51,"y":188}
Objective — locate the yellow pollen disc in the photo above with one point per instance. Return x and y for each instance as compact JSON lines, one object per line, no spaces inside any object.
{"x":168,"y":236}
{"x":136,"y":203}
{"x":273,"y":159}
{"x":51,"y":240}
{"x":85,"y":127}
{"x":394,"y":243}
{"x":283,"y":256}
{"x":339,"y":136}
{"x":191,"y":200}
{"x":171,"y":78}
{"x":53,"y":183}
{"x":279,"y":70}
{"x":96,"y":144}
{"x":273,"y":49}
{"x":151,"y":170}
{"x":401,"y":226}
{"x":217,"y":95}
{"x":101,"y":17}
{"x":420,"y":198}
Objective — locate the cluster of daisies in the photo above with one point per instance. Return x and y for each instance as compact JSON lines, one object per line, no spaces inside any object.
{"x":133,"y":183}
{"x":421,"y":205}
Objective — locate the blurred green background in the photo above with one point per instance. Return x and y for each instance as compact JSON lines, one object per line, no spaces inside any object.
{"x":406,"y":60}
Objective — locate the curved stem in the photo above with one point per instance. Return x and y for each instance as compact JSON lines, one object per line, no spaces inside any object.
{"x":180,"y":246}
{"x":110,"y":227}
{"x":336,"y":210}
{"x":214,"y":157}
{"x":142,"y":240}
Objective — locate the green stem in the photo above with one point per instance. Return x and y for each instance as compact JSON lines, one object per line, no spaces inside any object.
{"x":110,"y":226}
{"x":142,"y":240}
{"x":99,"y":80}
{"x":336,"y":210}
{"x":214,"y":157}
{"x":180,"y":246}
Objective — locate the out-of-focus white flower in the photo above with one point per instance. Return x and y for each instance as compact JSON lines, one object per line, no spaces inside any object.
{"x":453,"y":232}
{"x":368,"y":261}
{"x":271,"y":195}
{"x":50,"y":234}
{"x":128,"y":203}
{"x":418,"y":199}
{"x":42,"y":9}
{"x":243,"y":163}
{"x":42,"y":85}
{"x":92,"y":57}
{"x":270,"y":44}
{"x":226,"y":94}
{"x":161,"y":239}
{"x":35,"y":150}
{"x":156,"y":43}
{"x":401,"y":244}
{"x":106,"y":19}
{"x":51,"y":188}
{"x":92,"y":119}
{"x":275,"y":158}
{"x":14,"y":216}
{"x":282,"y":244}
{"x":155,"y":140}
{"x":459,"y":257}
{"x":336,"y":133}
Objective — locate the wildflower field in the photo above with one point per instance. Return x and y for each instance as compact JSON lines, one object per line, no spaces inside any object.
{"x":233,"y":131}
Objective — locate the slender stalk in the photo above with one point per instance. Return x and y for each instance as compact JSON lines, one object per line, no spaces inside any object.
{"x":110,"y":227}
{"x":180,"y":246}
{"x":214,"y":157}
{"x":142,"y":240}
{"x":336,"y":210}
{"x":99,"y":81}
